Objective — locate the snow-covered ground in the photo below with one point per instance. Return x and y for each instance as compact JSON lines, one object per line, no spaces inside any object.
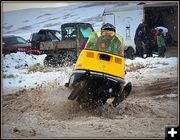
{"x":17,"y":73}
{"x":152,"y":68}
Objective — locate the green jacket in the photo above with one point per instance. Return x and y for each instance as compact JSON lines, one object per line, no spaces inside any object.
{"x":108,"y":44}
{"x":111,"y":45}
{"x":160,"y":41}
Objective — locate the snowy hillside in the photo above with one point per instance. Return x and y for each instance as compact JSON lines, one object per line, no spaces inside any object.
{"x":24,"y":22}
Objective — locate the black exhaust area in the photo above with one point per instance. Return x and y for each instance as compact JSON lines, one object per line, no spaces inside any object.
{"x":104,"y":57}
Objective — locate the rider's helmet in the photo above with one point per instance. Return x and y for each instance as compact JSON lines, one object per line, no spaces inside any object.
{"x":108,"y":27}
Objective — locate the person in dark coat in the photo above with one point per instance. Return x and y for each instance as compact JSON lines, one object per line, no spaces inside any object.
{"x":149,"y":44}
{"x":138,"y":40}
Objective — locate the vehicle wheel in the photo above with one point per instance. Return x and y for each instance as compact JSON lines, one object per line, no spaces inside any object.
{"x":78,"y":89}
{"x":89,"y":97}
{"x":83,"y":98}
{"x":125,"y":93}
{"x":130,"y":53}
{"x":50,"y":61}
{"x":65,"y":59}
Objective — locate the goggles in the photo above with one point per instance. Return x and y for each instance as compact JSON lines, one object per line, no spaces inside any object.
{"x":110,"y":33}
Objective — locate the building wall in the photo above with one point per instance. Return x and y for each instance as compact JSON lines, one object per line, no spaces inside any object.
{"x":171,"y":22}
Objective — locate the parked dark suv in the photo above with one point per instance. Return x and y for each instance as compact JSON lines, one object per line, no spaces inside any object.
{"x":13,"y":44}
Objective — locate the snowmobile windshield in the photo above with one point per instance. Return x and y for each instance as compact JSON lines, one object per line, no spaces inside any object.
{"x":86,"y":31}
{"x":106,"y":41}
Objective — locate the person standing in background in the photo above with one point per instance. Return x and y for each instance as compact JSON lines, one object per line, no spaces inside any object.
{"x":138,"y":40}
{"x":161,"y":43}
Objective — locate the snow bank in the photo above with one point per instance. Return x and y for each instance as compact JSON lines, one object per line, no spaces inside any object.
{"x":15,"y":63}
{"x":27,"y":81}
{"x":16,"y":75}
{"x":153,"y":68}
{"x":153,"y":61}
{"x":21,"y":59}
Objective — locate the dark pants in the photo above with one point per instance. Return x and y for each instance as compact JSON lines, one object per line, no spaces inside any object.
{"x":161,"y":51}
{"x":149,"y":48}
{"x":139,"y":49}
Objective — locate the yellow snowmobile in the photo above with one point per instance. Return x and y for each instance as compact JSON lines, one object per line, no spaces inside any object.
{"x":100,"y":71}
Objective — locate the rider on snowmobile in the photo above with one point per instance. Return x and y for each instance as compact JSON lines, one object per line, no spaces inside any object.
{"x":108,"y":42}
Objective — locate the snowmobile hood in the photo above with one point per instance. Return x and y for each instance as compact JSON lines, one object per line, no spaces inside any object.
{"x":103,"y":55}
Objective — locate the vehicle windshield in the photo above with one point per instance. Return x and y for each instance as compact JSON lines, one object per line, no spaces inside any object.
{"x":52,"y":37}
{"x":58,"y":35}
{"x":14,"y":40}
{"x":106,"y":41}
{"x":69,"y":33}
{"x":34,"y":37}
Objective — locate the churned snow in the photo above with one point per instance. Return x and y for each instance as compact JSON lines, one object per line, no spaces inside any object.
{"x":18,"y":64}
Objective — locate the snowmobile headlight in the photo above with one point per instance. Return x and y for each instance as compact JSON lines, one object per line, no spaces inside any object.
{"x":118,"y":60}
